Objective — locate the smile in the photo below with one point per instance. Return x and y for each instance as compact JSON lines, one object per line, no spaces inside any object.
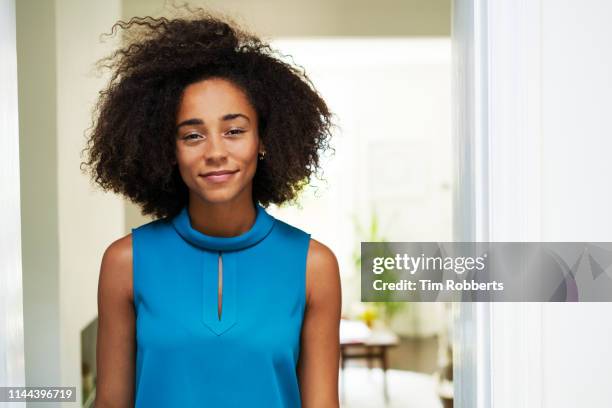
{"x":219,"y":176}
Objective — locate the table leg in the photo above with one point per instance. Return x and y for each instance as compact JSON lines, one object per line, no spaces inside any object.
{"x":384,"y":367}
{"x":342,"y":375}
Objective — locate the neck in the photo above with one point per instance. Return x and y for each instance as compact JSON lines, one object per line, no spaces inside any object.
{"x":226,"y":219}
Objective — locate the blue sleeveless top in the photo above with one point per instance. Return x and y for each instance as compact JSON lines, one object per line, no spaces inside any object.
{"x":189,"y":356}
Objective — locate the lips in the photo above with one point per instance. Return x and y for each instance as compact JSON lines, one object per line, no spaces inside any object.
{"x":219,"y":172}
{"x":219,"y":176}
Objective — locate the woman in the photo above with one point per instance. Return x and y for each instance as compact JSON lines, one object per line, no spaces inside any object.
{"x":215,"y":303}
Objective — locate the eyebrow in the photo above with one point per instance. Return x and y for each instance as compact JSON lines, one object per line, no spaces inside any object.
{"x":226,"y":117}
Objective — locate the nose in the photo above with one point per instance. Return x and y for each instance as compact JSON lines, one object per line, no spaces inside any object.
{"x":215,"y":148}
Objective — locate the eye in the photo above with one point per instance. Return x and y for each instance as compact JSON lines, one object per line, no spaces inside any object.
{"x":237,"y":132}
{"x":192,"y":135}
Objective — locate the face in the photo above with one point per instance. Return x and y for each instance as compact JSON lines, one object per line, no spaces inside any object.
{"x":217,"y":143}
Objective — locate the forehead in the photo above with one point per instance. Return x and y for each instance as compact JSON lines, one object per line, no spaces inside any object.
{"x":213,"y":98}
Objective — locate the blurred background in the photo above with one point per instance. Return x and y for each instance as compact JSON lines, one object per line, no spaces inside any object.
{"x":385,"y":71}
{"x":530,"y":128}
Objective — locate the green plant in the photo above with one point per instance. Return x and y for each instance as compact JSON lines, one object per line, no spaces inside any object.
{"x":389,"y":307}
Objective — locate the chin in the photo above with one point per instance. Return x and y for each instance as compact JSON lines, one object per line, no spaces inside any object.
{"x":218,"y":197}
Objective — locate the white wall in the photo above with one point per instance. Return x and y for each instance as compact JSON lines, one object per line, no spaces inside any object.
{"x":66,"y":224}
{"x":88,"y":218}
{"x":576,"y":191}
{"x":322,"y":18}
{"x":39,"y":203}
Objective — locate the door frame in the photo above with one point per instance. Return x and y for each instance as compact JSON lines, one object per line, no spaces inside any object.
{"x":12,"y":357}
{"x":497,"y":143}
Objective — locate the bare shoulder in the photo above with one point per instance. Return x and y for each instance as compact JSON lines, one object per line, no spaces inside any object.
{"x":116,"y":269}
{"x":116,"y":339}
{"x":322,"y":272}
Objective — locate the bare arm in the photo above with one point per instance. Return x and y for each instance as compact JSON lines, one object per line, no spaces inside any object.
{"x":115,"y":350}
{"x":320,"y":349}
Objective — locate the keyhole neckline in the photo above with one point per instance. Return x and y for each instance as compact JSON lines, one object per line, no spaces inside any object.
{"x":259,"y":230}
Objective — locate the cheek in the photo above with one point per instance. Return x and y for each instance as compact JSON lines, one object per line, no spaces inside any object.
{"x":186,"y":158}
{"x":246,"y":154}
{"x":186,"y":161}
{"x":249,"y":160}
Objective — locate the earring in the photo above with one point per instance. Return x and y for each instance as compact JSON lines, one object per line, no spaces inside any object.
{"x":262,"y":155}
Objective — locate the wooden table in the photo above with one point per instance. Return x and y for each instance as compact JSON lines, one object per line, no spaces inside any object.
{"x":370,"y":345}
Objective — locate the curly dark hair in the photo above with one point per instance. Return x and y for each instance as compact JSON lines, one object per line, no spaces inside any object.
{"x":131,"y":147}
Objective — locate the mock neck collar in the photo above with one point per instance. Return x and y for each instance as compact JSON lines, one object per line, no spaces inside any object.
{"x":258,"y":231}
